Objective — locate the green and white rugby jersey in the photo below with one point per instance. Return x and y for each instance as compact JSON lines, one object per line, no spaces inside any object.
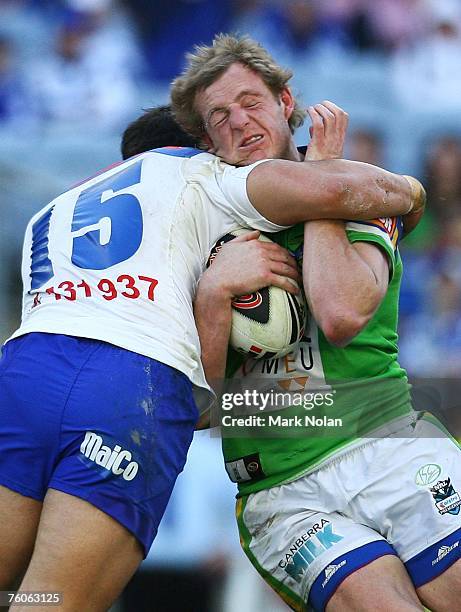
{"x":338,"y":396}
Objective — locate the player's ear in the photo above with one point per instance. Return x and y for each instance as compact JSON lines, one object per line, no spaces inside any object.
{"x":288,"y":102}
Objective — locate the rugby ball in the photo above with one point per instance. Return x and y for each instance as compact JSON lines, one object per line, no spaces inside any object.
{"x":268,"y":323}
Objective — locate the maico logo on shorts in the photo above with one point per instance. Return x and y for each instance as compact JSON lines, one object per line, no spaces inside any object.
{"x":308,"y":547}
{"x":446,"y":498}
{"x":111,"y":459}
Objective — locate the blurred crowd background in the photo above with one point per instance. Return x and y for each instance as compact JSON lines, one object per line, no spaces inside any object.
{"x":73,"y":73}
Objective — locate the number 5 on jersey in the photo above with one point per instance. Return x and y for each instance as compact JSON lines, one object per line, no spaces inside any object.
{"x":106,"y":227}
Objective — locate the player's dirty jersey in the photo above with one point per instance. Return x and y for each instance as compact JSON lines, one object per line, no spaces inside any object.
{"x":338,"y":396}
{"x":118,"y":257}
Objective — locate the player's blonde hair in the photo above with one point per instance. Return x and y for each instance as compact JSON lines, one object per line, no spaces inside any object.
{"x":208,"y":63}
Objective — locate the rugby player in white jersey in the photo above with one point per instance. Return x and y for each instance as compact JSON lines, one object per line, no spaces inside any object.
{"x":97,"y":385}
{"x":334,"y":530}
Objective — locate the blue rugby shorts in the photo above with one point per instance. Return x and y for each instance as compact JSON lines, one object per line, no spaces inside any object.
{"x":96,"y":421}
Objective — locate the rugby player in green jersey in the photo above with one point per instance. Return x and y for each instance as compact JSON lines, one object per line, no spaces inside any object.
{"x":367,"y":516}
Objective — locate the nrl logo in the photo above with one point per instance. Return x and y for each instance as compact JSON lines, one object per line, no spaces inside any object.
{"x":445,"y":497}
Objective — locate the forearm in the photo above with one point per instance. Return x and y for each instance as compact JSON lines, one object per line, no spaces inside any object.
{"x":213,"y":318}
{"x":411,"y":220}
{"x":342,"y":289}
{"x":291,"y":192}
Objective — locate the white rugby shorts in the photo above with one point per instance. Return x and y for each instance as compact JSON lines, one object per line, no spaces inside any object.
{"x":399,"y":495}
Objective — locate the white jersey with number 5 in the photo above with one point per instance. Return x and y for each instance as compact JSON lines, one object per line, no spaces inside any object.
{"x":118,"y":257}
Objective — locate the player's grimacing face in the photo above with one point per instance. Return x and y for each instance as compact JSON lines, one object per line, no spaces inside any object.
{"x":244,"y":120}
